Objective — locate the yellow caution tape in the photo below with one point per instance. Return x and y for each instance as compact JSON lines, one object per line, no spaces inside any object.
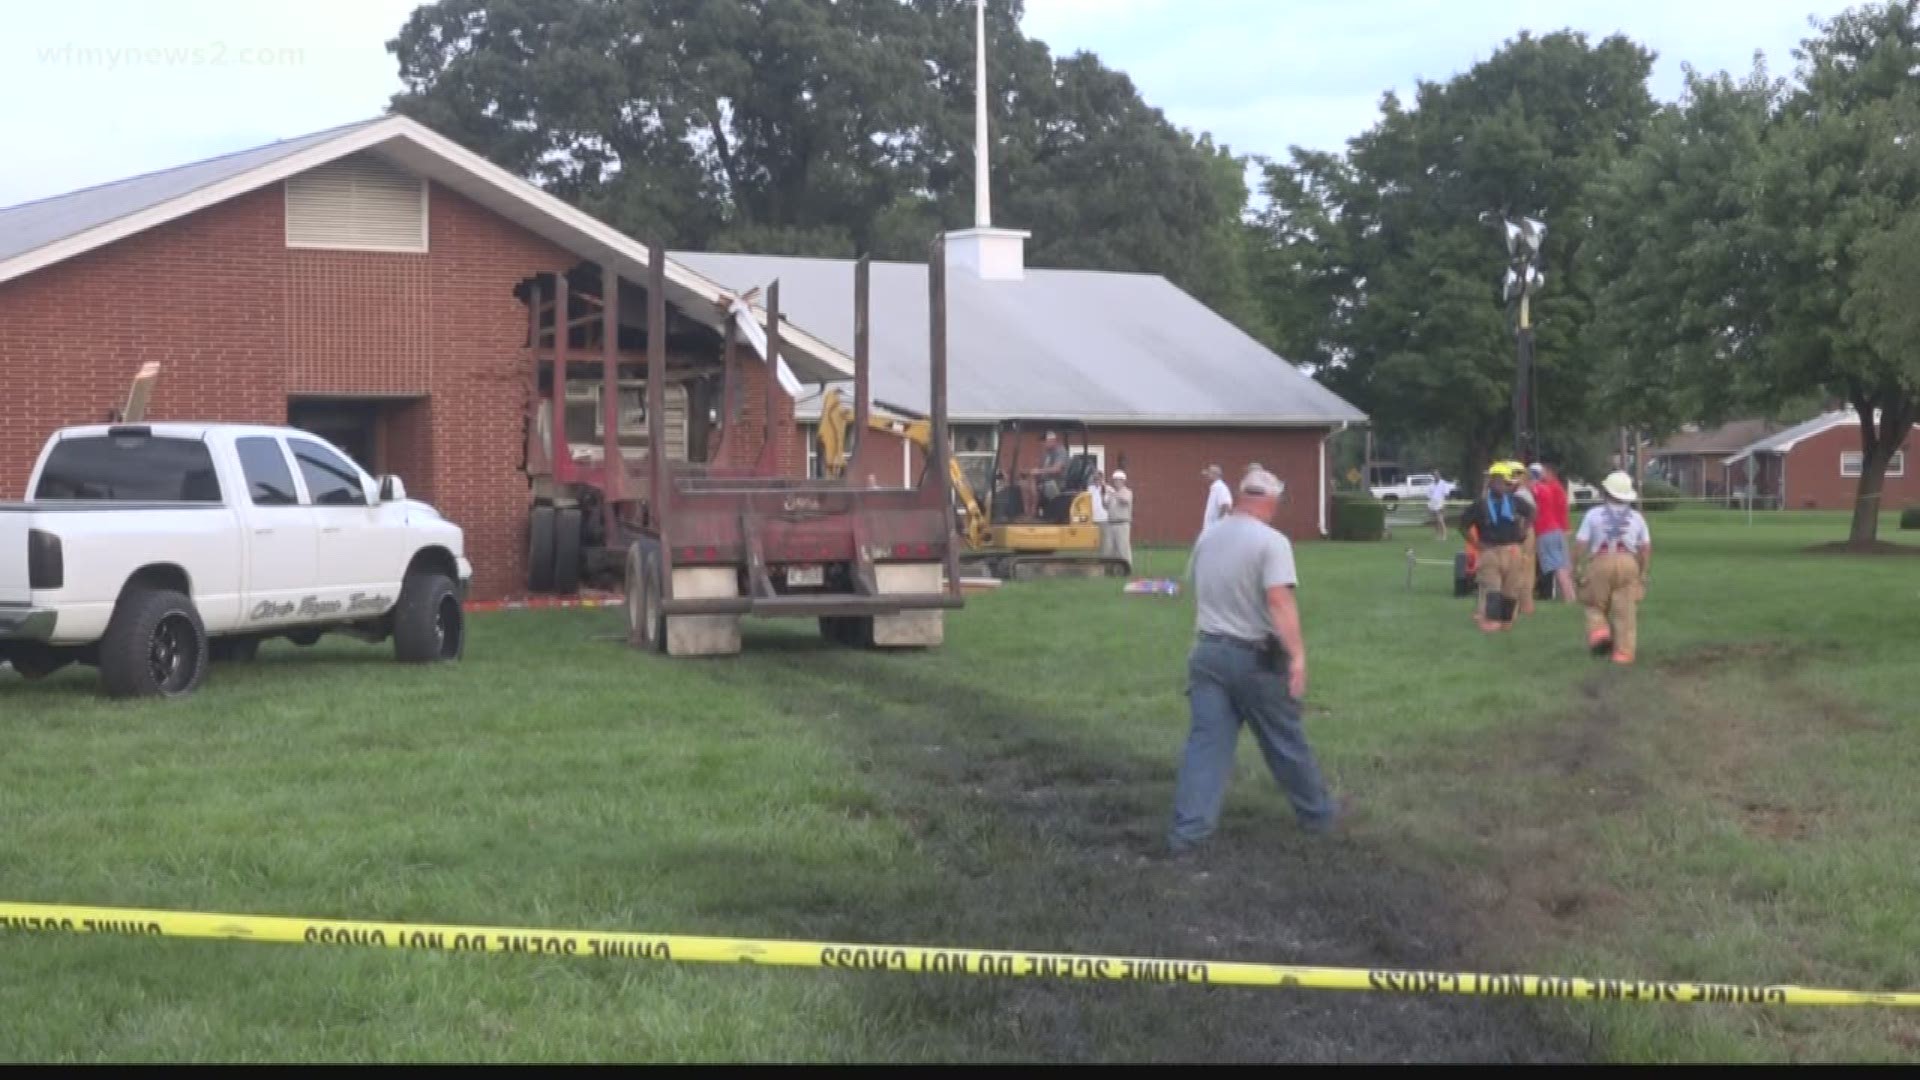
{"x":61,"y":918}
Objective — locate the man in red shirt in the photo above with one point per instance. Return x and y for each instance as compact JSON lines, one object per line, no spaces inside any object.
{"x":1551,"y":526}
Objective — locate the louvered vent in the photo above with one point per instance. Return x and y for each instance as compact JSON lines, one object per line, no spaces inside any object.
{"x":360,"y":203}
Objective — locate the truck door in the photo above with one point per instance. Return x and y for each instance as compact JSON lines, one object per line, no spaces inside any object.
{"x":361,"y":559}
{"x":281,"y":559}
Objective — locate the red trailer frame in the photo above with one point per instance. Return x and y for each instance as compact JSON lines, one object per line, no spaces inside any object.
{"x":704,"y":545}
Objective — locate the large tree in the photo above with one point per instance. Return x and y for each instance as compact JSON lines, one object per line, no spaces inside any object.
{"x":1761,"y":242}
{"x":1380,"y":273}
{"x":826,"y":127}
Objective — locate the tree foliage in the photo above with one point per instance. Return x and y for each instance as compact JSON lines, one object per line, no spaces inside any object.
{"x":824,"y":128}
{"x":1380,"y":273}
{"x":1761,"y":242}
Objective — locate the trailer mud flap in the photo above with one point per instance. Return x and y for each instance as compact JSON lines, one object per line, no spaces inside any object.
{"x":909,"y":629}
{"x":704,"y":635}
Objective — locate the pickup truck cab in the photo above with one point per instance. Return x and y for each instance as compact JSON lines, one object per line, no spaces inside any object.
{"x":149,"y":550}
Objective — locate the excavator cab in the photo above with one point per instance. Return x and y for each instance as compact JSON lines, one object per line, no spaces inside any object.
{"x":996,"y":532}
{"x":1071,"y":504}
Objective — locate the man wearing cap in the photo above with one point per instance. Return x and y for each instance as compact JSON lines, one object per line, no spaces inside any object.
{"x":1616,"y":537}
{"x":1502,"y":522}
{"x":1116,"y":537}
{"x":1248,"y":666}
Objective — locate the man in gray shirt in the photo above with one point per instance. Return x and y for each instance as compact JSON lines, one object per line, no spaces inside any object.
{"x":1248,"y":665}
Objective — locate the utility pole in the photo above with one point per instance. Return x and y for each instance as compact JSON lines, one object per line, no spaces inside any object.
{"x":1523,"y":278}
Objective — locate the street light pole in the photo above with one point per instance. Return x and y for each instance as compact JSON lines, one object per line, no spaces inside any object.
{"x":1523,"y":278}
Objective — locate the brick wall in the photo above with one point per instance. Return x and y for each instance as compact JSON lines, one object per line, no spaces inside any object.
{"x":1814,"y":481}
{"x":239,"y":323}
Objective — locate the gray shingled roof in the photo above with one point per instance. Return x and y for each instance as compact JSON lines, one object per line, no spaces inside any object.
{"x":34,"y":225}
{"x":1063,"y":344}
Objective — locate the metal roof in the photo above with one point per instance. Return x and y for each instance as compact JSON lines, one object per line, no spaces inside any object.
{"x":34,"y":225}
{"x":1056,"y":344}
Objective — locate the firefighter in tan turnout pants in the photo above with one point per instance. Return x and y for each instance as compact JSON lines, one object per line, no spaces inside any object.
{"x":1500,"y":523}
{"x":1614,"y":537}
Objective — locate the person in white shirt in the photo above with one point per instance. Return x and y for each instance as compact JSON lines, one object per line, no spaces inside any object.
{"x":1116,"y":537}
{"x":1219,"y":505}
{"x":1219,"y":499}
{"x":1615,"y":537}
{"x":1437,"y":496}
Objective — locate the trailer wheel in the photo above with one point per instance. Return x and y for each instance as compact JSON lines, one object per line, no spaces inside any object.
{"x":566,"y":551}
{"x":155,"y":646}
{"x":646,"y":626}
{"x":540,"y":537}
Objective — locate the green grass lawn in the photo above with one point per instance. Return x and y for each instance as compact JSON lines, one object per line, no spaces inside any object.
{"x":1739,"y":806}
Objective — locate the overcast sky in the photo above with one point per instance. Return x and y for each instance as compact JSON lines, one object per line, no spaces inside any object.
{"x":96,"y":90}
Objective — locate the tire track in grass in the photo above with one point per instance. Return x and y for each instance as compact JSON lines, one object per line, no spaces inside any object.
{"x":1046,"y":842}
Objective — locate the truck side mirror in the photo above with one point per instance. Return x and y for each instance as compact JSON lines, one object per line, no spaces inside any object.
{"x":392,"y":490}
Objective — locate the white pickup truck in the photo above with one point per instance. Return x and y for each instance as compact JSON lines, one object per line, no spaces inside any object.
{"x":149,"y":550}
{"x":1413,"y":487}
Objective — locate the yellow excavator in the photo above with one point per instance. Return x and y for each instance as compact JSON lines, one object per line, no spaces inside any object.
{"x":1062,"y":540}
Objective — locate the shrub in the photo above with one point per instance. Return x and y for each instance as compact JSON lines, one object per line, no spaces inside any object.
{"x":1359,"y":518}
{"x":1658,"y":495}
{"x":1910,"y":518}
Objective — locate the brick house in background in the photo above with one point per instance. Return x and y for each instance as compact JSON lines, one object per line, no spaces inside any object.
{"x":1816,"y":466}
{"x":1164,"y":384}
{"x":1695,"y":460}
{"x":366,"y":283}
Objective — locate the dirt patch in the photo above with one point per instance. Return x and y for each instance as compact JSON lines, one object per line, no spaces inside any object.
{"x":1048,"y":844}
{"x":1778,"y":822}
{"x":1776,"y":655}
{"x":1778,"y":664}
{"x":1877,"y":548}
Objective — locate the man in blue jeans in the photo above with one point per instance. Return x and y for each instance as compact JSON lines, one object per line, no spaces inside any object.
{"x":1248,"y":665}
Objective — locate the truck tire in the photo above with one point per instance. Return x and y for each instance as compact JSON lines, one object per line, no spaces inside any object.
{"x":155,"y":646}
{"x":429,"y":623}
{"x":566,"y":551}
{"x":234,"y":650}
{"x":646,"y":625}
{"x":540,"y":530}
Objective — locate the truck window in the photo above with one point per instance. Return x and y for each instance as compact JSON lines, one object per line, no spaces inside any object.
{"x":330,"y":480}
{"x":129,"y":468}
{"x":269,"y":481}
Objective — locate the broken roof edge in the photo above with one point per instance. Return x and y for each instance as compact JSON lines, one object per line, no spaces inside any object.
{"x":330,"y":144}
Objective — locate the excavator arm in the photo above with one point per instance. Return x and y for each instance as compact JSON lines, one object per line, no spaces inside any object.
{"x":835,"y":441}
